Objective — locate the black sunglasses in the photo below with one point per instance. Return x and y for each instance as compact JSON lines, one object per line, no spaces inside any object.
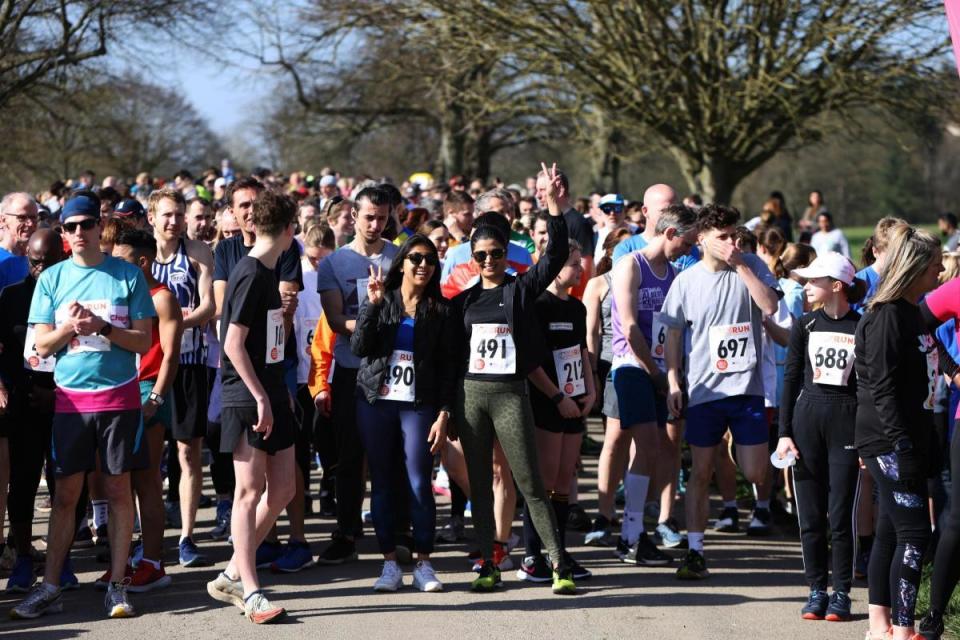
{"x":46,"y":262}
{"x":481,"y":256}
{"x":86,"y":225}
{"x":417,"y":259}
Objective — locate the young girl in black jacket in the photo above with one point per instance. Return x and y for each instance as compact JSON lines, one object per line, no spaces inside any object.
{"x":405,"y":388}
{"x":818,"y":412}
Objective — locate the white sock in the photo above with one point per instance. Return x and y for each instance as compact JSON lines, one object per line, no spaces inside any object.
{"x":695,"y":540}
{"x":101,"y":509}
{"x":763,"y":504}
{"x":635,"y":492}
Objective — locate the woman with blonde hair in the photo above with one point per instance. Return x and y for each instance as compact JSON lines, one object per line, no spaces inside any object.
{"x":897,"y":363}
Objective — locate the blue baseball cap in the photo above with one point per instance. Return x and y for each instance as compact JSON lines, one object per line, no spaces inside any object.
{"x":611,"y":201}
{"x":129,"y":207}
{"x":82,"y":204}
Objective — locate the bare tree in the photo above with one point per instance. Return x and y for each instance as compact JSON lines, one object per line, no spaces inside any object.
{"x":723,"y":85}
{"x":39,"y":38}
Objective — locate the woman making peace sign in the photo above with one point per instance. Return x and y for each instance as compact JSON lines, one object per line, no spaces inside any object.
{"x":405,"y":387}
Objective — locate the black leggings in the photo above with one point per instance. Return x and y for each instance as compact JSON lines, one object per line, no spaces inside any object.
{"x":902,"y":536}
{"x":825,"y":484}
{"x":946,"y":566}
{"x":221,"y":464}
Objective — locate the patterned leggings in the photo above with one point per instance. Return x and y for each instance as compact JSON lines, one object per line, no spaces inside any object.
{"x":502,"y":409}
{"x":902,"y":535}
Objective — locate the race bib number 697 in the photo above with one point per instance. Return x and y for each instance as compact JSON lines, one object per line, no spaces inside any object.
{"x":732,"y":348}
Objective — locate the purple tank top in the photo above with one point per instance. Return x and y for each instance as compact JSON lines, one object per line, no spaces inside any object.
{"x":653,"y":289}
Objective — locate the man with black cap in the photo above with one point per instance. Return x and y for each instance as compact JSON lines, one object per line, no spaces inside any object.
{"x":131,"y":213}
{"x":93,"y":313}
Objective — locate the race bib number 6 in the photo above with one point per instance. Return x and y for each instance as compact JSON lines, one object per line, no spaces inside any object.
{"x":492,"y":351}
{"x":732,"y":349}
{"x":831,"y":356}
{"x":569,"y":364}
{"x":658,"y":335}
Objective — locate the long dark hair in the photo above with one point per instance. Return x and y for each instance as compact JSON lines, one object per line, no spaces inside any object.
{"x":431,"y":294}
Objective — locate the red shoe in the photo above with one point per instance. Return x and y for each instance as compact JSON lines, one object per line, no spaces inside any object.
{"x":501,"y":557}
{"x":147,"y":577}
{"x":104,"y":580}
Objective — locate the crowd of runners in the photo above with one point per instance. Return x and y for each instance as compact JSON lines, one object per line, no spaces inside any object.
{"x":453,"y":338}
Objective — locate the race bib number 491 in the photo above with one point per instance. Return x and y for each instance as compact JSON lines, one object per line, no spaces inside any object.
{"x":492,"y":351}
{"x":732,"y":348}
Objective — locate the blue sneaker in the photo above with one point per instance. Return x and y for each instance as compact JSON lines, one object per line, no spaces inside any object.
{"x":669,"y":534}
{"x":68,"y":579}
{"x":268,"y":553}
{"x":190,"y":556}
{"x":297,"y":556}
{"x":21,"y":577}
{"x":222,"y":528}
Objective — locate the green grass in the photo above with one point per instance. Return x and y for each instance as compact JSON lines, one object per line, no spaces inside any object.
{"x":951,"y":619}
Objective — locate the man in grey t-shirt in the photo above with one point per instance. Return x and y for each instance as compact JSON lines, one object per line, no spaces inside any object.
{"x":720,"y":302}
{"x":342,"y":285}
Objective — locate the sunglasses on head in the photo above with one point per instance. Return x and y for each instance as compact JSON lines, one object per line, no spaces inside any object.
{"x":416,"y":259}
{"x":481,"y":256}
{"x":86,"y":225}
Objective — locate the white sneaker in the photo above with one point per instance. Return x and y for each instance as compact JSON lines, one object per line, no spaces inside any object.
{"x":425,"y":579}
{"x":390,"y":579}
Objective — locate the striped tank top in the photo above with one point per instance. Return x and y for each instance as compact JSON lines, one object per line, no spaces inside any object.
{"x":180,"y":276}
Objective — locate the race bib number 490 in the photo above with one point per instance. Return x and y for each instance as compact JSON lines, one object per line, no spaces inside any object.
{"x":732,"y":349}
{"x":400,"y":382}
{"x":569,"y":364}
{"x":492,"y":351}
{"x":831,"y":356}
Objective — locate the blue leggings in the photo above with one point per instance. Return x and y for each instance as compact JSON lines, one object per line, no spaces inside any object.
{"x":395,"y":433}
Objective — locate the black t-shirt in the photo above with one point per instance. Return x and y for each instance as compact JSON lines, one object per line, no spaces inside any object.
{"x":815,"y":369}
{"x":564,"y":325}
{"x":14,"y":307}
{"x":228,"y":254}
{"x":580,"y":230}
{"x":897,"y":367}
{"x":253,"y":300}
{"x":496,"y":348}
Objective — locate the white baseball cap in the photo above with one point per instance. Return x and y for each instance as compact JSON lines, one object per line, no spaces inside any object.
{"x":831,"y":265}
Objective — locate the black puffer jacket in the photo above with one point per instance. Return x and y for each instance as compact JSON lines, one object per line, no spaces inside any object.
{"x":434,"y":351}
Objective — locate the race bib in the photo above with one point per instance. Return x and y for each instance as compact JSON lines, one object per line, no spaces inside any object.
{"x":117,"y":315}
{"x":831,"y":356}
{"x":189,"y":341}
{"x":928,"y":345}
{"x":492,"y":351}
{"x":399,"y":383}
{"x":658,"y":337}
{"x":31,"y":359}
{"x":275,"y":336}
{"x":569,"y":364}
{"x":732,"y":349}
{"x":306,"y":327}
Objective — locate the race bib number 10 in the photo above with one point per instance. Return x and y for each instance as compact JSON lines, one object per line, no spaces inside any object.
{"x":732,"y":348}
{"x":831,"y":356}
{"x":275,"y":336}
{"x":492,"y":351}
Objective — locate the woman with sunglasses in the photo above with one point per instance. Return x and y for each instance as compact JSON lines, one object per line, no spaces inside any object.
{"x":405,"y":386}
{"x":502,"y":345}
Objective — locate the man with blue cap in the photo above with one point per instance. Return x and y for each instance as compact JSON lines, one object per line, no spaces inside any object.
{"x":94,"y":313}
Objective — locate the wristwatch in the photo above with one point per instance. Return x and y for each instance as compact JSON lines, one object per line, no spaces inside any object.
{"x":156,"y":397}
{"x":558,"y":397}
{"x":105,"y":330}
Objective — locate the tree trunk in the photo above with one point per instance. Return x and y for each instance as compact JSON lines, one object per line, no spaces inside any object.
{"x":714,"y":178}
{"x":450,"y":154}
{"x":484,"y":154}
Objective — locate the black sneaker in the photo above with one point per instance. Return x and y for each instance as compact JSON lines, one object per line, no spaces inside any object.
{"x":102,"y":536}
{"x":816,"y":607}
{"x":579,"y":571}
{"x":693,"y":567}
{"x":83,"y":539}
{"x":622,"y":549}
{"x":839,"y":608}
{"x":599,"y":535}
{"x":861,"y":564}
{"x":328,"y":504}
{"x":535,"y":569}
{"x":646,"y":554}
{"x":578,"y":520}
{"x":931,"y":627}
{"x":729,"y":521}
{"x":760,"y":523}
{"x":339,"y":550}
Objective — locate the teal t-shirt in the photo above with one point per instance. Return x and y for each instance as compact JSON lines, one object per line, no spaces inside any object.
{"x":114,"y":290}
